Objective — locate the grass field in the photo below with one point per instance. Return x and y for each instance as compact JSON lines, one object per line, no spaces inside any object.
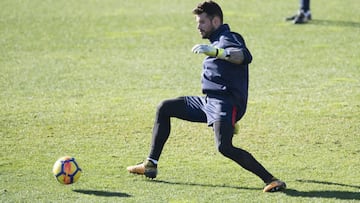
{"x":84,"y":77}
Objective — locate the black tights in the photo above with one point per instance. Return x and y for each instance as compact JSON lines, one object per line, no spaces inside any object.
{"x":223,"y":137}
{"x":161,"y":130}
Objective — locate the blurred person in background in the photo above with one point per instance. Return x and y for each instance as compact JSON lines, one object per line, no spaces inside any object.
{"x":303,"y":15}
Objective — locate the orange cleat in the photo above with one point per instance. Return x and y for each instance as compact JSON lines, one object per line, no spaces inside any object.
{"x":275,"y":186}
{"x":147,"y":168}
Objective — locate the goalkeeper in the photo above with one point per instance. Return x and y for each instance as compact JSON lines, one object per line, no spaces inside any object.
{"x":225,"y":80}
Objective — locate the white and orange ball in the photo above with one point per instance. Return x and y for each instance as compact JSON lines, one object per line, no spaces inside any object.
{"x":66,"y":170}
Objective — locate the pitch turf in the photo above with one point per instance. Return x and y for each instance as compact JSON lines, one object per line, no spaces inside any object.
{"x":83,"y":78}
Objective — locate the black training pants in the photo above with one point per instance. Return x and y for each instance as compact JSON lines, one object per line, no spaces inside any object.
{"x":223,"y":136}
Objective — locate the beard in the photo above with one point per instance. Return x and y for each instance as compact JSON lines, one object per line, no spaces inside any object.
{"x":206,"y":34}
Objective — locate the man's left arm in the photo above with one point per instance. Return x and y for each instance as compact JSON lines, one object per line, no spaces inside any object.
{"x":231,"y":54}
{"x":235,"y":55}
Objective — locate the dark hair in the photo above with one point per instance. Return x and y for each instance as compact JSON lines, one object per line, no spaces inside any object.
{"x":211,"y":8}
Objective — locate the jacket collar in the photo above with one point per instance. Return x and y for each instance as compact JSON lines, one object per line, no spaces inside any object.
{"x":216,"y":34}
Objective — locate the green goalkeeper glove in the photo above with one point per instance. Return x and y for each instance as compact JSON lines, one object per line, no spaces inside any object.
{"x":211,"y":51}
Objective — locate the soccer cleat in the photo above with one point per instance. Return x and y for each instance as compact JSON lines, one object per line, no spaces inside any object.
{"x":300,"y":18}
{"x":147,"y":168}
{"x":274,"y":186}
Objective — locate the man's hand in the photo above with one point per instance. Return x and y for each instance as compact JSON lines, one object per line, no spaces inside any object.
{"x":206,"y":49}
{"x":211,"y":51}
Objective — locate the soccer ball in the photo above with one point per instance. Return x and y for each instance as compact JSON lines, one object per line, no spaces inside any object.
{"x":66,"y":170}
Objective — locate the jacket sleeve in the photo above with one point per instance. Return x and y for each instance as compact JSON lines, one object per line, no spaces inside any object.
{"x":247,"y":55}
{"x":235,"y":40}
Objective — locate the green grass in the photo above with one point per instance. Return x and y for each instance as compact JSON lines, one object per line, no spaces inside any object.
{"x":83,"y":78}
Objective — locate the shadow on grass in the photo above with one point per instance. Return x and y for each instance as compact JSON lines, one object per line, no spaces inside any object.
{"x":335,"y":23}
{"x":329,"y":183}
{"x":203,"y":185}
{"x":103,"y":193}
{"x":343,"y":195}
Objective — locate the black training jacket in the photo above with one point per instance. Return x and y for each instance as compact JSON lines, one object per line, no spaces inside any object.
{"x":222,"y":77}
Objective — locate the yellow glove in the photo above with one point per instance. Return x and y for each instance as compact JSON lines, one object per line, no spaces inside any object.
{"x":211,"y":51}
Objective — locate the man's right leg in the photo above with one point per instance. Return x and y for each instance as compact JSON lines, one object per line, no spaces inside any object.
{"x":161,"y":130}
{"x":178,"y":108}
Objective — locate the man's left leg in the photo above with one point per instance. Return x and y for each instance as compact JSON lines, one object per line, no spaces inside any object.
{"x":223,"y":137}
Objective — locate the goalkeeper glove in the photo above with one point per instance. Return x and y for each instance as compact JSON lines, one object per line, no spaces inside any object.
{"x":211,"y":51}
